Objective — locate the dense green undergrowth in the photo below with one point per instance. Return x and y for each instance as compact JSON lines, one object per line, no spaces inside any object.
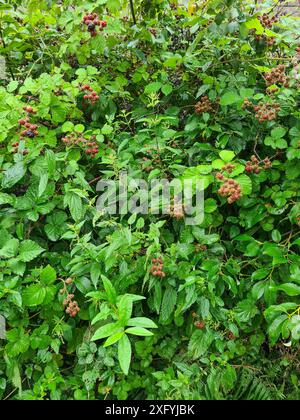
{"x":146,"y":306}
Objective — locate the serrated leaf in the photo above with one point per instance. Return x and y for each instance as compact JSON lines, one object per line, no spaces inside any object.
{"x":13,"y":175}
{"x":168,"y":303}
{"x":230,"y":98}
{"x":245,"y":183}
{"x":34,"y":295}
{"x":29,"y":250}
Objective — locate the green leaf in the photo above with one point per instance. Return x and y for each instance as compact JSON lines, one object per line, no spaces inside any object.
{"x":278,"y":132}
{"x":227,"y":155}
{"x":139,"y":331}
{"x":56,"y":225}
{"x":79,"y":128}
{"x":254,"y":23}
{"x":12,"y":86}
{"x":141,"y":322}
{"x":113,"y":339}
{"x":153,"y":88}
{"x":290,"y":289}
{"x":10,"y":249}
{"x":75,"y":206}
{"x":167,"y":89}
{"x":13,"y":175}
{"x":276,"y":236}
{"x":105,"y":331}
{"x":274,"y":329}
{"x":210,"y":205}
{"x":230,"y":98}
{"x":48,"y":275}
{"x":29,"y":250}
{"x":124,"y":353}
{"x":34,"y":295}
{"x":95,"y":273}
{"x":246,"y":310}
{"x":245,"y":183}
{"x":168,"y":303}
{"x":199,"y":343}
{"x":125,"y":307}
{"x":68,"y":126}
{"x":110,"y":290}
{"x":43,"y":184}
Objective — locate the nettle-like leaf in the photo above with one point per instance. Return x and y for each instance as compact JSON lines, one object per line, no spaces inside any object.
{"x":245,"y":183}
{"x":13,"y":175}
{"x":29,"y":250}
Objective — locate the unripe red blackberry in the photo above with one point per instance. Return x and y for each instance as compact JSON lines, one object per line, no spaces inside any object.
{"x":200,"y":325}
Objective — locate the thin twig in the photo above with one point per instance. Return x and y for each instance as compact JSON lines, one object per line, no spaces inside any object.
{"x":132,"y":11}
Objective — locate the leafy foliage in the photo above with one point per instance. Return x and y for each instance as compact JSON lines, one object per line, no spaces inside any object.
{"x":206,"y":92}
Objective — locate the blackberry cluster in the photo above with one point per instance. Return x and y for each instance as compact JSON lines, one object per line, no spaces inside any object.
{"x":16,"y":149}
{"x":277,"y":76}
{"x":199,"y":324}
{"x":69,"y":303}
{"x":181,"y":39}
{"x":271,"y":91}
{"x":204,"y":105}
{"x":255,"y":166}
{"x":124,"y":104}
{"x":148,"y":167}
{"x":90,"y":146}
{"x":266,"y":111}
{"x":230,"y":189}
{"x":228,"y":168}
{"x":152,"y":159}
{"x":157,"y":268}
{"x":267,"y":21}
{"x":92,"y":21}
{"x":200,"y":248}
{"x":71,"y":306}
{"x":20,"y":190}
{"x":30,"y":110}
{"x":90,"y":94}
{"x":30,"y":130}
{"x":175,"y":78}
{"x":269,"y":40}
{"x":247,"y":104}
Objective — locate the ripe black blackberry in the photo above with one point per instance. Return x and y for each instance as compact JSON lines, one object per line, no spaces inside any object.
{"x":176,"y":78}
{"x":181,"y":39}
{"x":20,"y":190}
